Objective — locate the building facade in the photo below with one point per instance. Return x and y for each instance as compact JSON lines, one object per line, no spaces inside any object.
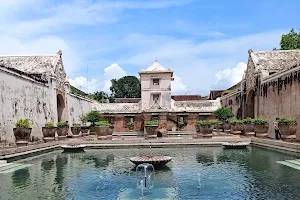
{"x":270,"y":87}
{"x":157,"y":103}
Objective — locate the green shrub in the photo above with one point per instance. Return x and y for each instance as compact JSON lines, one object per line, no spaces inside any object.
{"x":23,"y":123}
{"x":94,"y":116}
{"x":152,"y":123}
{"x":260,"y":121}
{"x":248,"y":120}
{"x":103,"y":123}
{"x":223,"y":114}
{"x":236,"y":121}
{"x":76,"y":125}
{"x":287,"y":121}
{"x":62,"y":124}
{"x":83,"y":118}
{"x":130,"y":123}
{"x":49,"y":124}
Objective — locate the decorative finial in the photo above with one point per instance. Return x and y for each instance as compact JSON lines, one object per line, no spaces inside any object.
{"x":155,"y":59}
{"x":250,"y":51}
{"x":59,"y":53}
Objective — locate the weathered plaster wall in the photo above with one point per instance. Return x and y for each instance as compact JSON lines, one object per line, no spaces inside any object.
{"x":78,"y":106}
{"x":232,"y":101}
{"x":21,"y":97}
{"x":286,"y":103}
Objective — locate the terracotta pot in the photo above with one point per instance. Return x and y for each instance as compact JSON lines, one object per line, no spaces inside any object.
{"x":102,"y":130}
{"x":75,"y":130}
{"x":206,"y":129}
{"x":226,"y":126}
{"x":49,"y":131}
{"x":131,"y":127}
{"x":151,"y":130}
{"x":92,"y":130}
{"x":237,"y":128}
{"x":287,"y":130}
{"x":218,"y":126}
{"x":248,"y":128}
{"x":22,"y":135}
{"x":261,"y":128}
{"x":197,"y":127}
{"x":62,"y":131}
{"x":84,"y":129}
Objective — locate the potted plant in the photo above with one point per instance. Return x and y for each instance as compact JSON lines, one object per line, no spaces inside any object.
{"x":49,"y":131}
{"x":205,"y":127}
{"x":76,"y":130}
{"x":236,"y":126}
{"x":130,"y":126}
{"x":103,"y":130}
{"x":287,"y":128}
{"x":181,"y":125}
{"x":84,"y":128}
{"x":218,"y":125}
{"x":224,"y":114}
{"x":22,"y":132}
{"x":151,"y":128}
{"x":62,"y":129}
{"x":93,"y":117}
{"x":261,"y":127}
{"x":248,"y":126}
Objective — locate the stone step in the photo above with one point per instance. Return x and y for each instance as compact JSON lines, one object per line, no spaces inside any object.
{"x":296,"y":162}
{"x":15,"y":168}
{"x":289,"y":164}
{"x":181,"y":133}
{"x":8,"y":166}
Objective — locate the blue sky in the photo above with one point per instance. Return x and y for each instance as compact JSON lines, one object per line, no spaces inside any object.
{"x":204,"y":42}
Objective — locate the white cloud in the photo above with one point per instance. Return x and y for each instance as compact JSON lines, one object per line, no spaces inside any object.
{"x":197,"y":62}
{"x":113,"y":71}
{"x":234,"y":75}
{"x":84,"y":85}
{"x":177,"y":85}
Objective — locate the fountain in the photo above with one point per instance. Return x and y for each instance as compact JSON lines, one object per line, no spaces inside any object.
{"x":154,"y":160}
{"x":146,"y":178}
{"x":73,"y":148}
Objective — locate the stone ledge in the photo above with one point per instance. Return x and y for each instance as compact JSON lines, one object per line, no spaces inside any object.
{"x":277,"y":144}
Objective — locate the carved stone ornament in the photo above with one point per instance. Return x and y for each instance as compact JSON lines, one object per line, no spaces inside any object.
{"x":60,"y":77}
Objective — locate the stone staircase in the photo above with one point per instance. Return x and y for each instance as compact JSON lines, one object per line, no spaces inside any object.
{"x":291,"y":163}
{"x":11,"y":167}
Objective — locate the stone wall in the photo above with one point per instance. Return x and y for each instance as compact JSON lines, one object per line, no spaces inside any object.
{"x":280,"y":102}
{"x":78,"y":106}
{"x":232,"y":101}
{"x":23,"y":97}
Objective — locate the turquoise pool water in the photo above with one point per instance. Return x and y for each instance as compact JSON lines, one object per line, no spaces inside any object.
{"x":194,"y":173}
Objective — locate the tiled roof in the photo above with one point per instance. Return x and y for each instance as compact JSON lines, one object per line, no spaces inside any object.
{"x":186,"y":97}
{"x":156,"y":67}
{"x":197,"y":106}
{"x":127,"y":100}
{"x":275,"y":60}
{"x":116,"y":107}
{"x":30,"y":64}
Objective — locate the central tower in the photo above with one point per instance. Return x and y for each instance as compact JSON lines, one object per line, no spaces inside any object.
{"x":156,"y":87}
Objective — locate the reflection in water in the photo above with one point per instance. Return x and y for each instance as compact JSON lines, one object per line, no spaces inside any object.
{"x":99,"y":162}
{"x":206,"y":159}
{"x":20,"y":177}
{"x":61,"y":162}
{"x":47,"y":165}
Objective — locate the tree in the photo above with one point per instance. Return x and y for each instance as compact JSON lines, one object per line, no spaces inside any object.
{"x":223,"y":114}
{"x":99,"y":96}
{"x":290,"y":41}
{"x":126,"y":87}
{"x":94,"y":116}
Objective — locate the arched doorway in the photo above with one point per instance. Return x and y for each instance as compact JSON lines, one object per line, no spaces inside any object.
{"x":60,"y":107}
{"x":251,"y":104}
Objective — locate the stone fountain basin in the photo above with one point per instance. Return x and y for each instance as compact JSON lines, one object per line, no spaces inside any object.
{"x":73,"y":147}
{"x":235,"y":145}
{"x":151,"y":159}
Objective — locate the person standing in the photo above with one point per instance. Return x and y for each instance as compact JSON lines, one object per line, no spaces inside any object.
{"x":277,"y":133}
